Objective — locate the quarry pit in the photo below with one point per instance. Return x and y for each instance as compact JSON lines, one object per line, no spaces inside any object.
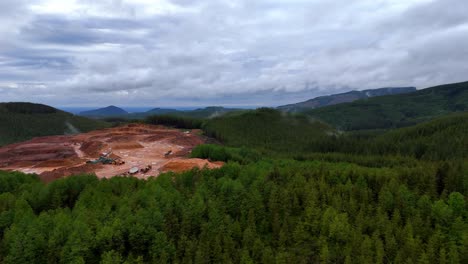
{"x":141,"y":146}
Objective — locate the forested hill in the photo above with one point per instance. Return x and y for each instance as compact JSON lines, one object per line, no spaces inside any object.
{"x":267,"y":128}
{"x":23,"y":121}
{"x":440,"y":139}
{"x":444,"y":138}
{"x":343,"y":98}
{"x":396,"y":110}
{"x":291,"y":135}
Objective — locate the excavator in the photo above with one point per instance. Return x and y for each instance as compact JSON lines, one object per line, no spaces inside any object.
{"x":167,"y":154}
{"x":106,"y":159}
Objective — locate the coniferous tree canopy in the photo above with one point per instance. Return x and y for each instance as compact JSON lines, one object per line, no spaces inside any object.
{"x":265,"y":212}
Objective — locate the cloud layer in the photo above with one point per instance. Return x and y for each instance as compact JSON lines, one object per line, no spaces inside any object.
{"x":203,"y":52}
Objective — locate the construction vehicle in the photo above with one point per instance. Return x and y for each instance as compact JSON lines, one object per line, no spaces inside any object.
{"x":168,"y":153}
{"x":105,"y":159}
{"x":133,"y":170}
{"x":146,"y":169}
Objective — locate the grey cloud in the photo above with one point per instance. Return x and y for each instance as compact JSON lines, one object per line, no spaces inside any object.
{"x":60,"y":30}
{"x":186,"y":2}
{"x":437,"y":14}
{"x":11,"y":7}
{"x":242,"y":52}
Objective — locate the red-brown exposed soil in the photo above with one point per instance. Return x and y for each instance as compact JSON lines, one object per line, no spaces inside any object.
{"x":180,"y":165}
{"x":91,"y":148}
{"x":137,"y":145}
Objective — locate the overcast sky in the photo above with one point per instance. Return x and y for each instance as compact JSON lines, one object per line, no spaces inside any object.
{"x":220,"y":52}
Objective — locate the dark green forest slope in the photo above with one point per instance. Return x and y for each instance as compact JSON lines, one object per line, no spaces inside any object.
{"x":268,"y":129}
{"x":23,"y":121}
{"x":444,"y":138}
{"x":396,"y":110}
{"x":272,"y":131}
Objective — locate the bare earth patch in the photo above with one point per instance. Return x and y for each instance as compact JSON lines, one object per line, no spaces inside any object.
{"x":137,"y":145}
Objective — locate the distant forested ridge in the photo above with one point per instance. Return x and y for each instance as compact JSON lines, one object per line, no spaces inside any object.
{"x":23,"y":121}
{"x":395,"y":110}
{"x":199,"y":113}
{"x":347,"y":97}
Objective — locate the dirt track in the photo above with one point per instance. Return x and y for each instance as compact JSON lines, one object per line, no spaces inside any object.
{"x":137,"y":145}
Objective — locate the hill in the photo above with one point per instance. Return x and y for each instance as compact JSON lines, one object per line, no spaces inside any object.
{"x":105,"y":112}
{"x":344,"y":98}
{"x":395,"y":110}
{"x":267,"y":129}
{"x":23,"y":121}
{"x":443,"y":138}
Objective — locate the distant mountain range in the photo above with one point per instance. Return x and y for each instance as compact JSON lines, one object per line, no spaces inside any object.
{"x":394,"y":111}
{"x":104,"y":112}
{"x":344,"y":98}
{"x":113,"y":111}
{"x":214,"y":111}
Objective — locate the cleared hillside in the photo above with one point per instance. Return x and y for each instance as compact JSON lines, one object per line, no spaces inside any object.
{"x":23,"y":121}
{"x":395,"y":110}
